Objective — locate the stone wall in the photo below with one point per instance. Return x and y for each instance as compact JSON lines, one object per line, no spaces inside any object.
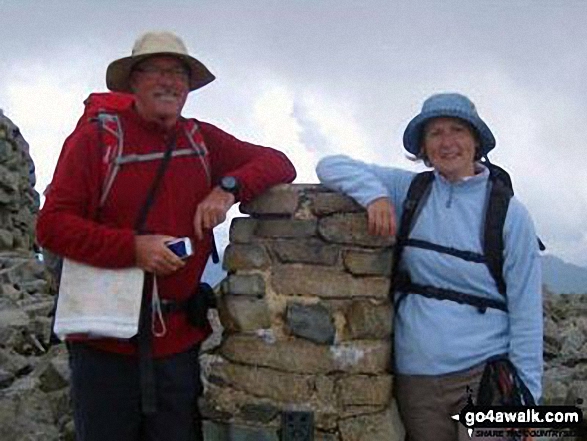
{"x":307,"y":322}
{"x":33,"y":380}
{"x":19,"y":202}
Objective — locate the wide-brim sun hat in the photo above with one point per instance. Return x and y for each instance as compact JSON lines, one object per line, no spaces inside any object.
{"x":452,"y":105}
{"x":150,"y":44}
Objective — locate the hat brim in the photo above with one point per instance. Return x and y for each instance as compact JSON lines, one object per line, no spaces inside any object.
{"x":413,"y":132}
{"x":118,"y":72}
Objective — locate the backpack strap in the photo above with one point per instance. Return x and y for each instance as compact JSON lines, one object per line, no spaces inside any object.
{"x":500,"y":195}
{"x":412,"y":206}
{"x":497,"y":204}
{"x":196,"y":140}
{"x":112,"y":140}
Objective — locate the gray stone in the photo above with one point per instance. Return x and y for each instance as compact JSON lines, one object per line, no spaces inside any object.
{"x":312,"y":322}
{"x":554,"y":391}
{"x":309,"y":251}
{"x":54,"y":375}
{"x":6,"y":378}
{"x":5,"y":149}
{"x":243,"y":257}
{"x":326,"y":283}
{"x":376,"y":427}
{"x":244,"y":314}
{"x":6,"y":239}
{"x":368,"y":320}
{"x":5,"y":198}
{"x":573,"y":341}
{"x":305,"y":357}
{"x":15,"y":363}
{"x":295,"y":355}
{"x":232,"y":432}
{"x":242,"y":229}
{"x":246,"y":285}
{"x":26,"y":414}
{"x":13,"y":318}
{"x":350,"y":229}
{"x":10,"y":292}
{"x":324,"y":436}
{"x":279,"y":200}
{"x":577,"y":395}
{"x":363,"y":390}
{"x":286,"y":228}
{"x":266,"y":383}
{"x":329,"y":203}
{"x":368,"y":263}
{"x":35,"y":286}
{"x":261,"y":412}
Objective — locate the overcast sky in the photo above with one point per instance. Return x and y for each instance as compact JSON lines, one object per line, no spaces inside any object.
{"x":318,"y":77}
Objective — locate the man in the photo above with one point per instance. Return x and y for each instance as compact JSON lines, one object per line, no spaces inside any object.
{"x":194,"y":195}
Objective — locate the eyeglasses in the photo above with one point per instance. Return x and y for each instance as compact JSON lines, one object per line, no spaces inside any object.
{"x":177,"y":73}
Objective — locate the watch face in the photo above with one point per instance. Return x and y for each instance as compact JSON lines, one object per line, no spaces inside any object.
{"x":229,"y":183}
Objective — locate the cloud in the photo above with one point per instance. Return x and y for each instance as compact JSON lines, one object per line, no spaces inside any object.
{"x":44,"y":98}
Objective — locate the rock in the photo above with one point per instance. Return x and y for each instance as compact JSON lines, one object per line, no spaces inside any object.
{"x":309,"y":251}
{"x":242,"y":230}
{"x":246,"y":285}
{"x":363,"y":390}
{"x":285,"y":228}
{"x":279,"y":200}
{"x":264,"y":382}
{"x":312,"y":322}
{"x":330,"y":203}
{"x":244,"y":314}
{"x":243,"y":257}
{"x":6,"y":239}
{"x":378,"y":427}
{"x":350,"y":229}
{"x":26,"y":413}
{"x":262,"y":412}
{"x":6,"y":378}
{"x":8,"y":291}
{"x":301,"y":356}
{"x":368,"y":263}
{"x":54,"y":374}
{"x":369,"y":320}
{"x":326,"y":283}
{"x":234,"y":432}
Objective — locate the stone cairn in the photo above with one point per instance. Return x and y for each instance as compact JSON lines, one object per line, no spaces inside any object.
{"x":33,"y":379}
{"x":307,"y":323}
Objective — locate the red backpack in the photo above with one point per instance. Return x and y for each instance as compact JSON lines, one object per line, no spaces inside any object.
{"x":103,"y":108}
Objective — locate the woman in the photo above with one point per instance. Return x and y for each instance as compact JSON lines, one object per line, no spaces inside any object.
{"x":443,"y":344}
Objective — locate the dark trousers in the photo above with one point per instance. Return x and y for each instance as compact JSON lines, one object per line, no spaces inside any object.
{"x":106,"y":396}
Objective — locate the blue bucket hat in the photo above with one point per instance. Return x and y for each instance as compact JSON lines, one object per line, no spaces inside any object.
{"x":447,"y":105}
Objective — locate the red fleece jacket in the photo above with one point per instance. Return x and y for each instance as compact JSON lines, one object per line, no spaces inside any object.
{"x":72,"y":225}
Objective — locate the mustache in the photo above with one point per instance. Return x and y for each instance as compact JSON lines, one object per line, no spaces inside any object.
{"x":166,"y":91}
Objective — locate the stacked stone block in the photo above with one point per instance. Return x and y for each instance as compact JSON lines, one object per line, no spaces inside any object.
{"x":307,"y":322}
{"x":19,"y":202}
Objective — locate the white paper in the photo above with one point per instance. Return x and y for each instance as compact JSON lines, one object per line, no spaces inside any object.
{"x":98,"y":301}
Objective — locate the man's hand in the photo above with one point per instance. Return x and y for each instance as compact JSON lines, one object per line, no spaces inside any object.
{"x":153,"y":255}
{"x":381,"y":215}
{"x":212,"y":211}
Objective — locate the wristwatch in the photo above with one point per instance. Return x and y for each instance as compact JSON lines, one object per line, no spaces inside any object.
{"x":231,"y":185}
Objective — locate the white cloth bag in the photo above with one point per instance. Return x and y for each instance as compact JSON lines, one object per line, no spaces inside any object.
{"x":98,"y":301}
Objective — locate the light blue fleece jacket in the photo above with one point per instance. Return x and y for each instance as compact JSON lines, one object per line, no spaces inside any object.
{"x":432,"y":336}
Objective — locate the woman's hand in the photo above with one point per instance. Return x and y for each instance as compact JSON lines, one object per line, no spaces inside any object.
{"x":381,"y":215}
